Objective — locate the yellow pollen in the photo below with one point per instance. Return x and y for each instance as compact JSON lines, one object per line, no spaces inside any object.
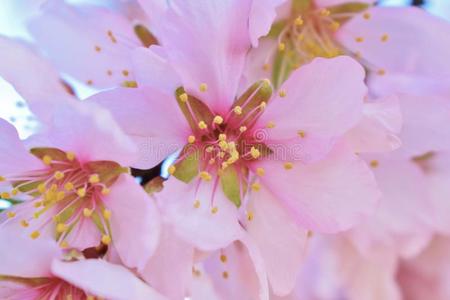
{"x":288,"y":166}
{"x":281,"y":46}
{"x":60,"y":195}
{"x":47,"y":159}
{"x":81,"y":192}
{"x":271,"y":124}
{"x":374,"y":163}
{"x":222,"y":137}
{"x":263,"y":105}
{"x":64,"y":245}
{"x":298,"y":21}
{"x":250,"y":216}
{"x":223,"y":258}
{"x":366,"y":16}
{"x":105,"y":191}
{"x":260,"y":171}
{"x":214,"y":210}
{"x":203,"y":87}
{"x":381,"y":72}
{"x":384,"y":37}
{"x":2,"y":178}
{"x":324,"y":12}
{"x":237,"y":110}
{"x":35,"y":234}
{"x":24,"y":223}
{"x":58,"y":175}
{"x":37,"y":204}
{"x":202,"y":125}
{"x":171,"y":169}
{"x":225,"y":275}
{"x":191,"y":139}
{"x":87,"y":212}
{"x":14,"y":192}
{"x":209,"y":149}
{"x":301,"y":133}
{"x":106,"y":239}
{"x":223,"y":145}
{"x":254,"y":152}
{"x":218,"y":120}
{"x":11,"y":214}
{"x":205,"y":176}
{"x":359,"y":39}
{"x":266,"y":67}
{"x":61,"y":227}
{"x":242,"y":128}
{"x":107,"y":214}
{"x":221,"y":154}
{"x":196,"y":203}
{"x":5,"y":195}
{"x":335,"y":25}
{"x":68,"y":186}
{"x":256,"y":187}
{"x":125,"y":73}
{"x":282,"y":93}
{"x":36,"y":215}
{"x":183,"y":97}
{"x":94,"y":178}
{"x":70,"y":156}
{"x":98,"y":49}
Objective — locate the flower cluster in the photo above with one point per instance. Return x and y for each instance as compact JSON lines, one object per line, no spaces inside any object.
{"x":306,"y":145}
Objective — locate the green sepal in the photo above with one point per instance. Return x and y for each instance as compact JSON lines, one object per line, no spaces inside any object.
{"x":187,"y":168}
{"x":108,"y":171}
{"x":200,"y":110}
{"x":229,"y":180}
{"x":300,"y":6}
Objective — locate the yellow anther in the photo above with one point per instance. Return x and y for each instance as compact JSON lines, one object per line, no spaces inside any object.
{"x":64,"y":245}
{"x":298,"y":21}
{"x":366,"y":16}
{"x":11,"y":214}
{"x":106,"y":239}
{"x":260,"y":171}
{"x":214,"y":210}
{"x":36,"y":215}
{"x":191,"y":139}
{"x":68,"y":186}
{"x":81,"y":192}
{"x":107,"y":214}
{"x":14,"y":192}
{"x":281,"y":46}
{"x":301,"y":37}
{"x":301,"y":133}
{"x":254,"y":152}
{"x":125,"y":73}
{"x":35,"y":234}
{"x":47,"y":159}
{"x":94,"y":178}
{"x":266,"y":67}
{"x":130,"y":84}
{"x":60,"y":195}
{"x":196,"y":203}
{"x":209,"y":149}
{"x":61,"y":227}
{"x":335,"y":25}
{"x":171,"y":169}
{"x":203,"y":87}
{"x":87,"y":212}
{"x":288,"y":165}
{"x":384,"y":37}
{"x":218,"y":120}
{"x":222,"y":137}
{"x":70,"y":156}
{"x":256,"y":187}
{"x":223,"y":258}
{"x":237,"y":110}
{"x":225,"y":274}
{"x":250,"y":216}
{"x":271,"y":124}
{"x":205,"y":176}
{"x":105,"y":191}
{"x":242,"y":128}
{"x":5,"y":195}
{"x":221,"y":154}
{"x":381,"y":72}
{"x":2,"y":178}
{"x":359,"y":39}
{"x":53,"y":187}
{"x":223,"y":145}
{"x":58,"y":175}
{"x":183,"y":97}
{"x":282,"y":93}
{"x":374,"y":163}
{"x":24,"y":223}
{"x":263,"y":105}
{"x":37,"y":204}
{"x":202,"y":125}
{"x":324,"y":12}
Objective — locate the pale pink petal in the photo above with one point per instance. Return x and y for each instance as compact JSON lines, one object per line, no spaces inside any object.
{"x":13,"y":290}
{"x":84,"y":235}
{"x":411,"y":33}
{"x":324,"y":99}
{"x":152,"y":69}
{"x":151,"y":118}
{"x":206,"y":41}
{"x":330,"y":195}
{"x":425,"y":124}
{"x":328,"y":3}
{"x":281,"y":242}
{"x":89,"y":43}
{"x":23,"y":256}
{"x":262,"y":15}
{"x":205,"y":227}
{"x":33,"y":78}
{"x":14,"y":157}
{"x":378,"y":130}
{"x":100,"y":278}
{"x":135,"y":222}
{"x":202,"y":288}
{"x":91,"y":133}
{"x":170,"y":268}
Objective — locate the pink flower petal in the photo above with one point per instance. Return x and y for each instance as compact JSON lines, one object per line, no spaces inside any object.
{"x":262,"y":15}
{"x":331,"y":195}
{"x":100,"y":278}
{"x":151,"y":118}
{"x":90,"y":43}
{"x":135,"y":222}
{"x":206,"y":41}
{"x":327,"y":3}
{"x":281,"y":242}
